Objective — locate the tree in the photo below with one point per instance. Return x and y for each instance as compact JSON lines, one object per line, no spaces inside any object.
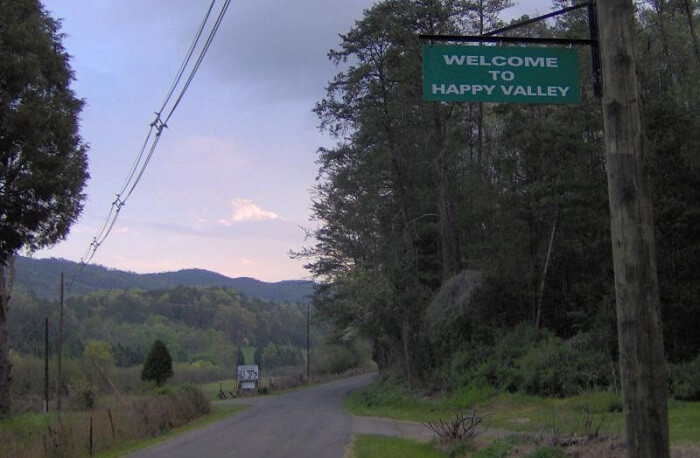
{"x":99,"y":361}
{"x":240,"y":357}
{"x":159,"y":364}
{"x":43,"y":161}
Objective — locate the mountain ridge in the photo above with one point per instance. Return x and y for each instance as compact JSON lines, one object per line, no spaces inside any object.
{"x":41,"y":278}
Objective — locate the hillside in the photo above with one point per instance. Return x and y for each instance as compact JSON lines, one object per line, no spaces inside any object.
{"x":41,"y":278}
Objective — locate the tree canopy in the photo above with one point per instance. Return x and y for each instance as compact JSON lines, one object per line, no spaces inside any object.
{"x":43,"y":160}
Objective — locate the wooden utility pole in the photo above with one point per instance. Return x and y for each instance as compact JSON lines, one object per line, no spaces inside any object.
{"x":59,"y":378}
{"x":308,"y":343}
{"x":46,"y":364}
{"x":642,"y":361}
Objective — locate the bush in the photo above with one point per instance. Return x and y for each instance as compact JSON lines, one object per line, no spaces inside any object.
{"x":332,"y":358}
{"x":684,"y":380}
{"x":530,"y":361}
{"x":552,"y":368}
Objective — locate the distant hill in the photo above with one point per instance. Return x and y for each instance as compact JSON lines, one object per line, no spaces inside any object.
{"x":41,"y":278}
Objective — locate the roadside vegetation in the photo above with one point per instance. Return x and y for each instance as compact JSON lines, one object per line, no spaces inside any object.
{"x":471,"y":242}
{"x":116,"y":421}
{"x":514,"y":411}
{"x":104,"y":378}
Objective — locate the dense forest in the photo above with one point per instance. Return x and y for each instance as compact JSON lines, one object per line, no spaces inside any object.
{"x":471,"y":242}
{"x":199,"y":325}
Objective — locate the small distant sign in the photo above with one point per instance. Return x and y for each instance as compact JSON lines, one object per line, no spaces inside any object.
{"x":247,"y":386}
{"x":247,"y":373}
{"x":516,"y":74}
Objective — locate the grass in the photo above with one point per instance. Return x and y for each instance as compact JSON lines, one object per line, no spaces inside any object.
{"x":517,"y":412}
{"x":217,"y":413}
{"x":370,"y":446}
{"x":25,"y":425}
{"x":496,"y":449}
{"x":211,"y":389}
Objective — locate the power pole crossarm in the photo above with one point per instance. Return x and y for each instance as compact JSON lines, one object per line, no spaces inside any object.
{"x":642,"y":361}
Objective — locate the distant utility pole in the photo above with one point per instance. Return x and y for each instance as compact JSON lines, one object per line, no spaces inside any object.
{"x":642,"y":361}
{"x":59,"y":377}
{"x":46,"y":364}
{"x":308,"y":342}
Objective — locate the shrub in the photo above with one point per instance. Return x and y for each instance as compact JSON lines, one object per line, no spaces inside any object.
{"x":552,"y":368}
{"x":530,"y":361}
{"x":684,"y":380}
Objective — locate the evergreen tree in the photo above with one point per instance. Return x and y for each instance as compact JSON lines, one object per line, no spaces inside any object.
{"x":43,"y":162}
{"x":159,"y":364}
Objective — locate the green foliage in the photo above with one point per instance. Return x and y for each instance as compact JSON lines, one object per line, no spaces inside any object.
{"x":99,"y":352}
{"x":240,"y":357}
{"x":533,"y":362}
{"x":684,"y":380}
{"x":196,"y":324}
{"x":159,"y":364}
{"x":496,"y":449}
{"x":332,"y":357}
{"x":460,"y":449}
{"x":417,"y":195}
{"x":276,"y":356}
{"x":44,"y":158}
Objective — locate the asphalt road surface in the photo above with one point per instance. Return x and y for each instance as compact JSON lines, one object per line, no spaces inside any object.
{"x":304,"y":423}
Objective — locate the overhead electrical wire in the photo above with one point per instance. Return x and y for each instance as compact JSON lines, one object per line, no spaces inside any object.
{"x":145,"y":153}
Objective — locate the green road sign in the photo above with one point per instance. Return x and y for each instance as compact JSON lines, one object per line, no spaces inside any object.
{"x":463,"y":73}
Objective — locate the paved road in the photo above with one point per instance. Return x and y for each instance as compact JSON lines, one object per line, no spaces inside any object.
{"x":303,"y":423}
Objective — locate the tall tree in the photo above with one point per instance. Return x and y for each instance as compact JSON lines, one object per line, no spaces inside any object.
{"x":43,"y":161}
{"x":159,"y":364}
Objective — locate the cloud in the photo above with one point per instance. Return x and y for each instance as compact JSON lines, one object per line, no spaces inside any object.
{"x":247,"y":210}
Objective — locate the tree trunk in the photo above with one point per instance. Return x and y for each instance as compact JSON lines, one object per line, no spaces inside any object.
{"x":540,"y":293}
{"x":406,"y":342}
{"x":660,"y":8}
{"x":7,"y":274}
{"x":688,"y":9}
{"x":642,"y":362}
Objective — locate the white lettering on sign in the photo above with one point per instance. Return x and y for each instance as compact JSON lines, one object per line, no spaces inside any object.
{"x":530,"y":91}
{"x":460,"y":89}
{"x":536,"y":91}
{"x":501,"y":61}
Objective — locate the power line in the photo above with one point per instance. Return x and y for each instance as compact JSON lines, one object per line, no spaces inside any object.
{"x":145,"y":154}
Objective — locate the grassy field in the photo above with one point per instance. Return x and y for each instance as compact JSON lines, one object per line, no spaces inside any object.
{"x":516,"y":412}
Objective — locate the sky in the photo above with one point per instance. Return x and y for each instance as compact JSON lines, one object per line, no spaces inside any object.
{"x":228,"y":187}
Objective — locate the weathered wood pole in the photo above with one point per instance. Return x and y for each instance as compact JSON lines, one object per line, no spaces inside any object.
{"x":642,"y":361}
{"x":46,"y":364}
{"x":59,"y":378}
